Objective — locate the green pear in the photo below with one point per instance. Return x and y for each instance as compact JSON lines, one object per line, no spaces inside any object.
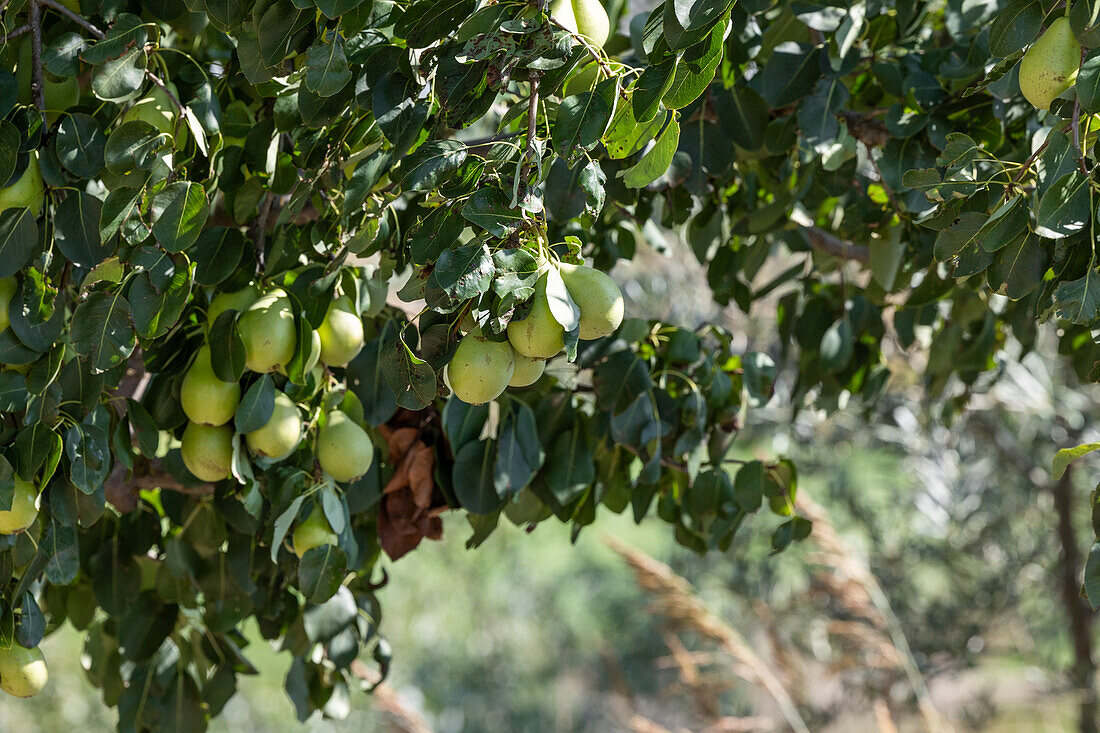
{"x":267,"y":328}
{"x":7,"y":291}
{"x":29,"y":190}
{"x":341,"y":333}
{"x":538,"y":335}
{"x":23,"y":671}
{"x":480,"y":369}
{"x":313,"y":532}
{"x":1050,"y":66}
{"x":23,"y":510}
{"x":282,"y":433}
{"x":238,"y":300}
{"x":527,"y":371}
{"x":60,"y":93}
{"x":584,"y":17}
{"x":598,"y":298}
{"x":158,"y":110}
{"x":344,"y":449}
{"x":208,"y":451}
{"x":206,"y":399}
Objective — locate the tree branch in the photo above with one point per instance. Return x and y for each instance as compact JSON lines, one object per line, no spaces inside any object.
{"x":58,"y":7}
{"x":865,"y":128}
{"x":835,"y":246}
{"x":21,"y":30}
{"x":532,"y":125}
{"x":38,"y":86}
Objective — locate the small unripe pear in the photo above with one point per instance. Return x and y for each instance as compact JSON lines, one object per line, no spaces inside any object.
{"x":282,"y":433}
{"x":538,"y":335}
{"x":344,"y":449}
{"x":584,"y":17}
{"x":313,"y":532}
{"x":208,"y":451}
{"x":7,"y":291}
{"x":29,"y":190}
{"x":206,"y":399}
{"x":1050,"y":66}
{"x":267,"y":329}
{"x":23,"y":672}
{"x":23,"y":510}
{"x":341,"y":333}
{"x":527,"y":371}
{"x":598,"y":298}
{"x":480,"y":369}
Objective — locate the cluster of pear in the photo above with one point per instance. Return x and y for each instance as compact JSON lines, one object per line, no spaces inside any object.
{"x":586,"y":18}
{"x":481,"y":370}
{"x":266,"y":323}
{"x":1050,"y":66}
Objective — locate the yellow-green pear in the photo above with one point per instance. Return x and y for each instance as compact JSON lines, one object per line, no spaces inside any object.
{"x":584,"y":17}
{"x":341,"y":333}
{"x":23,"y":671}
{"x":23,"y":510}
{"x":7,"y":291}
{"x":598,"y":298}
{"x":282,"y":433}
{"x":538,"y":335}
{"x":344,"y":449}
{"x":267,"y":328}
{"x":206,"y":399}
{"x":1050,"y":66}
{"x":527,"y":371}
{"x":208,"y":451}
{"x":313,"y":532}
{"x":480,"y":369}
{"x":29,"y":190}
{"x":238,"y":300}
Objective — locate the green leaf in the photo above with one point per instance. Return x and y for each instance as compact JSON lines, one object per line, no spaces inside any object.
{"x":817,"y":115}
{"x":121,"y":79}
{"x":695,"y":70}
{"x":77,"y":232}
{"x":583,"y":118}
{"x":18,"y":240}
{"x":695,"y":14}
{"x":960,"y":236}
{"x":1066,"y":456}
{"x":1065,"y":207}
{"x":102,"y":332}
{"x":743,"y":115}
{"x":569,"y":468}
{"x":1019,"y":268}
{"x":464,"y":272}
{"x":1015,"y":27}
{"x":1088,"y":82}
{"x":431,"y":164}
{"x":321,"y":571}
{"x":217,"y":252}
{"x":646,"y":94}
{"x":1079,"y":300}
{"x":134,"y":144}
{"x":656,"y":160}
{"x":327,"y":69}
{"x":519,"y":453}
{"x":427,"y":21}
{"x":80,"y":144}
{"x":412,"y":378}
{"x":179,"y":213}
{"x":257,"y":405}
{"x":1092,"y":576}
{"x":323,"y":622}
{"x":789,"y":75}
{"x":490,"y":209}
{"x":472,"y":477}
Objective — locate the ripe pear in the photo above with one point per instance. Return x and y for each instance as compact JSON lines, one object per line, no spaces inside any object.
{"x":1050,"y":66}
{"x":206,"y":399}
{"x":7,"y":290}
{"x":527,"y":371}
{"x":282,"y":433}
{"x":23,"y":510}
{"x":28,"y":191}
{"x":341,"y":333}
{"x":23,"y":671}
{"x":538,"y":335}
{"x":344,"y":449}
{"x":598,"y":298}
{"x":313,"y":532}
{"x":238,"y":300}
{"x":480,"y":369}
{"x":584,"y":17}
{"x":267,"y":328}
{"x":208,"y":451}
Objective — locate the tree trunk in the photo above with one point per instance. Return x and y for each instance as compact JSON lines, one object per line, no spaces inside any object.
{"x":1080,"y":615}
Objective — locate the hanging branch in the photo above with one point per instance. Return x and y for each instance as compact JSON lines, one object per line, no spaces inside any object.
{"x":74,"y":17}
{"x":21,"y":30}
{"x":38,"y":87}
{"x":532,"y":125}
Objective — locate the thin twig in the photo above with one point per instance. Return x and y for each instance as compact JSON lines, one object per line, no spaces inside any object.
{"x":54,"y":5}
{"x":532,"y":125}
{"x":25,"y":28}
{"x":831,"y":244}
{"x":38,"y":86}
{"x":172,"y":97}
{"x":592,"y":50}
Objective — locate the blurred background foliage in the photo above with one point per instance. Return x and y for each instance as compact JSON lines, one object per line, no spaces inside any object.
{"x":960,"y":624}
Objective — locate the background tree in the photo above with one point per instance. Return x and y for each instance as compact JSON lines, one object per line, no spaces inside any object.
{"x":207,"y":204}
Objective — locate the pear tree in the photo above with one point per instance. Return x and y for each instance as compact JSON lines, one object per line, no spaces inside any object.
{"x":284,"y":282}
